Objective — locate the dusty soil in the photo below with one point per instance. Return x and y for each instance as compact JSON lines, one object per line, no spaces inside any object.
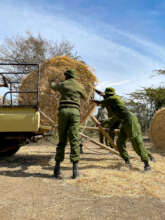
{"x":105,"y":190}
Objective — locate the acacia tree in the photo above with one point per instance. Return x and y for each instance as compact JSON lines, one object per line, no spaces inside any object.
{"x":144,"y":103}
{"x":31,"y":49}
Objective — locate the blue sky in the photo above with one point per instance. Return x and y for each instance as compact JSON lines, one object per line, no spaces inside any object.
{"x":123,"y":40}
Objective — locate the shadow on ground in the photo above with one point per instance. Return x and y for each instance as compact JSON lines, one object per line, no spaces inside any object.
{"x":23,"y":162}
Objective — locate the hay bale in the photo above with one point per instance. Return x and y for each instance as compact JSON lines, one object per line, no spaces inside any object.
{"x":53,"y":69}
{"x":157,"y":129}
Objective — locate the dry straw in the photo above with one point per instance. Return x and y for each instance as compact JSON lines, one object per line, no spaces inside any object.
{"x":54,"y":69}
{"x":157,"y":129}
{"x":106,"y":175}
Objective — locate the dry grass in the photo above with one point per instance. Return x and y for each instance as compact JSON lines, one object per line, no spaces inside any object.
{"x":105,"y":190}
{"x":106,"y":175}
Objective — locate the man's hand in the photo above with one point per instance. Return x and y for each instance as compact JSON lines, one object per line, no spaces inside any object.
{"x":99,"y":92}
{"x":52,"y":83}
{"x":96,"y":101}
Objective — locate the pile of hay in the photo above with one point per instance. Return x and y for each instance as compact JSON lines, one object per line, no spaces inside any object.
{"x":54,"y":69}
{"x":157,"y":129}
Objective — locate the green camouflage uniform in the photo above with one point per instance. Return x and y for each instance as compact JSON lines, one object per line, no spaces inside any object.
{"x":130,"y":128}
{"x":69,"y":117}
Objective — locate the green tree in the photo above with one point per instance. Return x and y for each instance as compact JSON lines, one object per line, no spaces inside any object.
{"x":144,"y":103}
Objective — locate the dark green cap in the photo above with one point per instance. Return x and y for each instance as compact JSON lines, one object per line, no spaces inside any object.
{"x":70,"y":73}
{"x":109,"y":91}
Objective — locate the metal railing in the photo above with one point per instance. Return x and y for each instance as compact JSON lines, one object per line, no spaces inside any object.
{"x":14,"y":84}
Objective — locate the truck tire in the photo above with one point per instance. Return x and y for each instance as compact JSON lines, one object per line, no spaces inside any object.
{"x":9,"y":148}
{"x":9,"y":152}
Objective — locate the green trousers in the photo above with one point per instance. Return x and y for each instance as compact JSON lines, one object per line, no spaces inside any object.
{"x":68,"y":128}
{"x":130,"y":130}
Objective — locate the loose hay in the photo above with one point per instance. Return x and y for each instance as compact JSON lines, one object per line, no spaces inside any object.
{"x":102,"y":175}
{"x":53,"y":69}
{"x":106,"y":176}
{"x":157,"y":129}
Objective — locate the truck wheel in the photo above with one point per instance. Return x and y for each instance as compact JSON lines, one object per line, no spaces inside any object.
{"x":8,"y":148}
{"x":8,"y":152}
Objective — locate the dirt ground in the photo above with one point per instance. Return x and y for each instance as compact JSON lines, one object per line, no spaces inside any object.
{"x":106,"y":189}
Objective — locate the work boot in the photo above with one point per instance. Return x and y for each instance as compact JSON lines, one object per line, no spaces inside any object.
{"x":151,"y":158}
{"x":57,"y":170}
{"x":147,"y":166}
{"x":75,"y":170}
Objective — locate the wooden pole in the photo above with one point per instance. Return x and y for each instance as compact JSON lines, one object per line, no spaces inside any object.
{"x":97,"y":129}
{"x":106,"y":135}
{"x":99,"y":144}
{"x":90,"y":110}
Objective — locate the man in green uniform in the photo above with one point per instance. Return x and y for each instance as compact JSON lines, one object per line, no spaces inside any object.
{"x":130,"y":127}
{"x":68,"y":120}
{"x":102,"y":117}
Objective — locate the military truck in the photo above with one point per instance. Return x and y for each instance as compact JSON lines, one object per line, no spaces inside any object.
{"x":19,"y":123}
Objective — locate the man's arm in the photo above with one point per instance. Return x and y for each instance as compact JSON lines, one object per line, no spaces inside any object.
{"x":96,"y":101}
{"x":54,"y":86}
{"x":99,"y":92}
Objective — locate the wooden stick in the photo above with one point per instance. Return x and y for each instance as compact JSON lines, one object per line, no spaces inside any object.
{"x":47,"y":117}
{"x":91,"y":128}
{"x":99,"y":144}
{"x":97,"y":129}
{"x":106,"y":135}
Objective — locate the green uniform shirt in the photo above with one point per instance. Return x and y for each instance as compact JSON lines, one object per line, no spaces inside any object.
{"x":71,"y":92}
{"x":115,"y":107}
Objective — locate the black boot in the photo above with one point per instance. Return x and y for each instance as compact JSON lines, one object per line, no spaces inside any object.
{"x":147,"y":166}
{"x":57,"y":170}
{"x":81,"y":149}
{"x":127,"y":163}
{"x":75,"y":170}
{"x":151,"y":158}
